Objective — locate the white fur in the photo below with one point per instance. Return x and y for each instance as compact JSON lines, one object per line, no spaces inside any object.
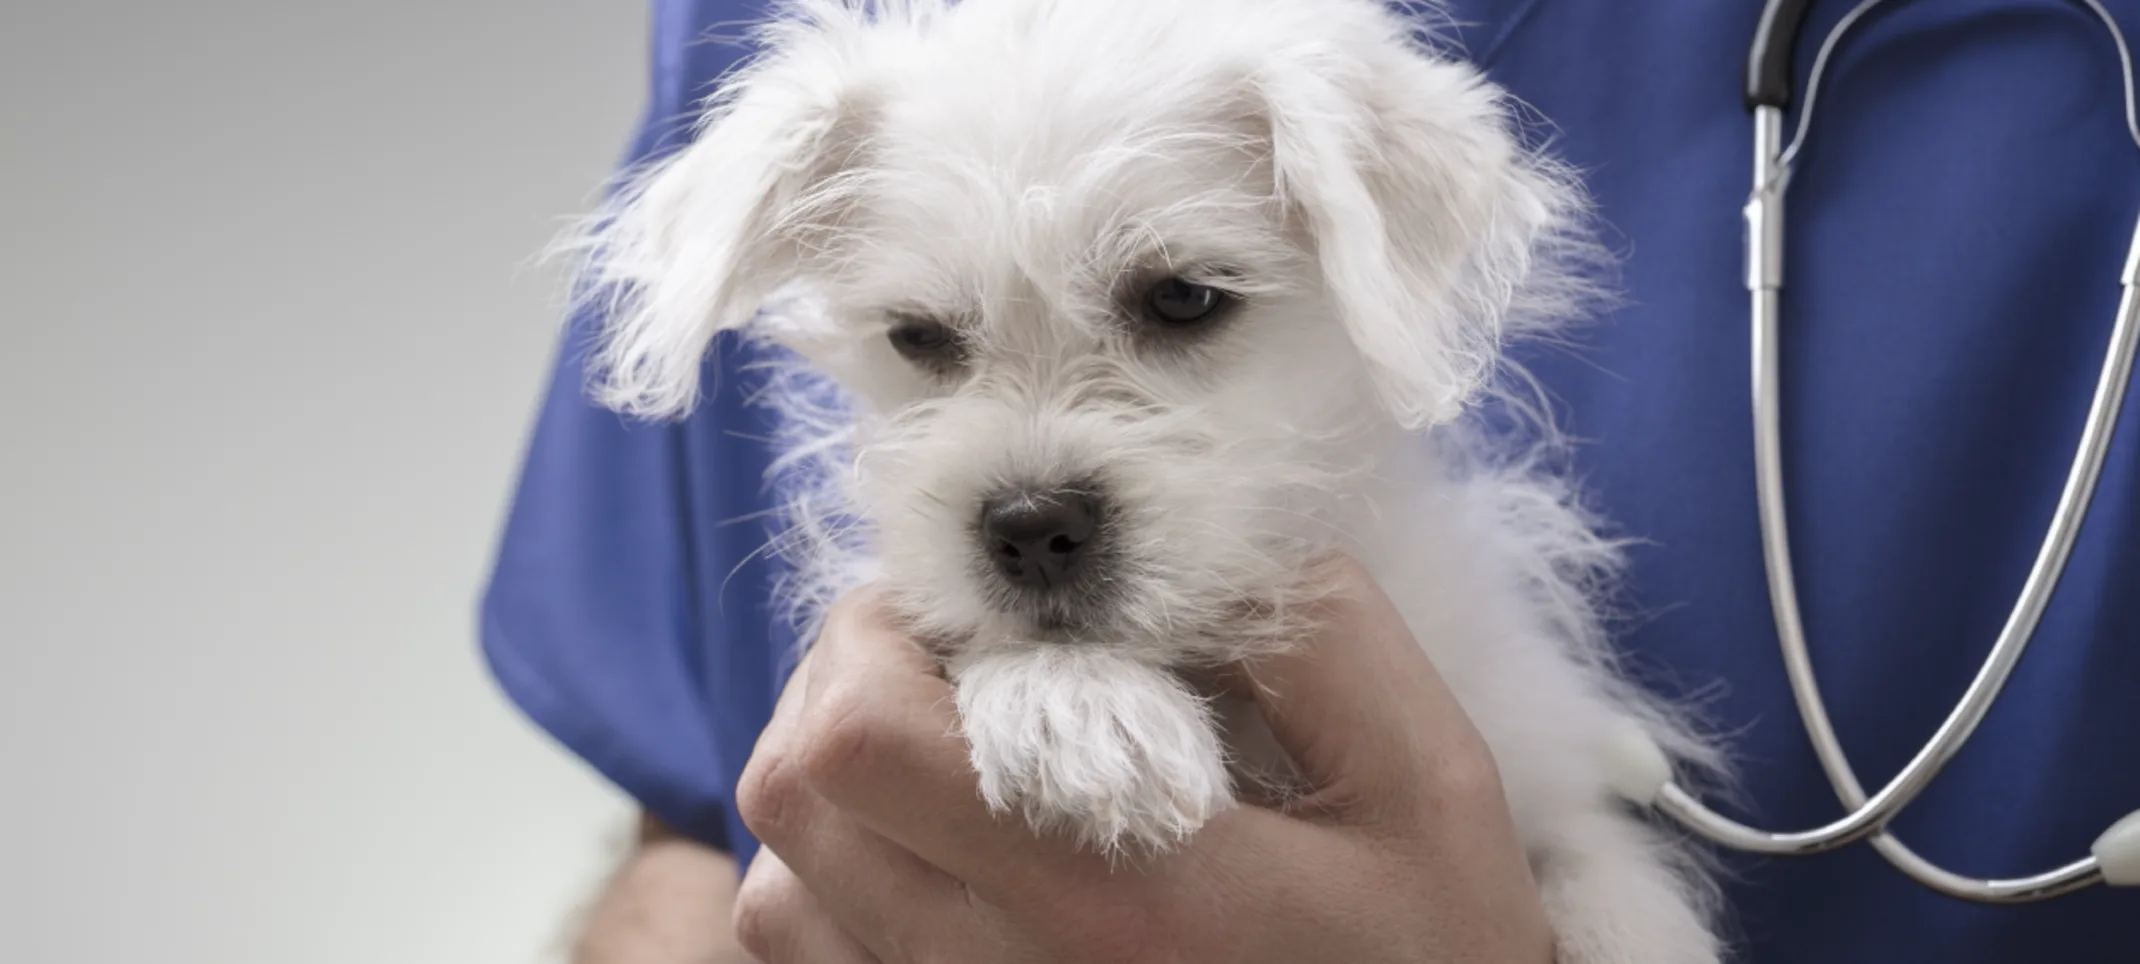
{"x":1109,"y":748}
{"x":1004,"y":165}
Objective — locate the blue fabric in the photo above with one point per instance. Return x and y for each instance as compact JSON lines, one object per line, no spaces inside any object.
{"x":627,"y":611}
{"x":1956,"y":230}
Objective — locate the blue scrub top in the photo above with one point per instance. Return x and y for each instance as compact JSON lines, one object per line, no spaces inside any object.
{"x":1957,"y":227}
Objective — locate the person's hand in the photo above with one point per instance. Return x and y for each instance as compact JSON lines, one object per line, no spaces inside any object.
{"x":879,"y":849}
{"x":670,"y":900}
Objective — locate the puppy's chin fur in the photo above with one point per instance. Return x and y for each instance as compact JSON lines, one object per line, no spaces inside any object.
{"x":1013,"y":170}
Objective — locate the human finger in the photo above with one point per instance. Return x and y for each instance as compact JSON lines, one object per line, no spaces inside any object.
{"x":1362,"y":709}
{"x":891,"y":901}
{"x":880,"y":741}
{"x":779,"y":921}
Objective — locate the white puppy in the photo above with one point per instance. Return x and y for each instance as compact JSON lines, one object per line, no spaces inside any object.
{"x":1131,"y":309}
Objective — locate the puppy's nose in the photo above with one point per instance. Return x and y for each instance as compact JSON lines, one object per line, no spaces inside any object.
{"x":1039,"y":539}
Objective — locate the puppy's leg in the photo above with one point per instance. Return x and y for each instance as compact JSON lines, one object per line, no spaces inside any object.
{"x":1119,"y":753}
{"x":1613,"y":896}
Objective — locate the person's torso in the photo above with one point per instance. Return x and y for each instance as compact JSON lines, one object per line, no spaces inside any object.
{"x":1956,"y":229}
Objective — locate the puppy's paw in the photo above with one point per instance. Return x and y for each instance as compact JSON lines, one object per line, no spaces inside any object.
{"x":1117,"y":753}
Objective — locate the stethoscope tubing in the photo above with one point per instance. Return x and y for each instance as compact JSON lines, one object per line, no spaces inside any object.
{"x":2115,"y":857}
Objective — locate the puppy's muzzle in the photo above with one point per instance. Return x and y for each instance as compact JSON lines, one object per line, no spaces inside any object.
{"x":1042,"y":539}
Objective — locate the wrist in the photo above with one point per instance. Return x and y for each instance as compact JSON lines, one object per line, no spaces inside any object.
{"x":670,"y":901}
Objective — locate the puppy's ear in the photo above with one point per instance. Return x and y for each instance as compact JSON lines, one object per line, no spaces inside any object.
{"x":695,"y":243}
{"x":1438,"y":234}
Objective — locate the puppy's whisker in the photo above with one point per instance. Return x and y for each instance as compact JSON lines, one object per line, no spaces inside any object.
{"x":1163,"y":312}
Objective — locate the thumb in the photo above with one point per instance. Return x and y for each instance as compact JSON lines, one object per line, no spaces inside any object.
{"x":1359,"y":707}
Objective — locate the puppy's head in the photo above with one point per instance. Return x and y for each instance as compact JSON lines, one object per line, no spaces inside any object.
{"x":1126,"y":294}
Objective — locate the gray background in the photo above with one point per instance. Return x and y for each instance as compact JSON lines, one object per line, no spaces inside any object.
{"x":273,"y":335}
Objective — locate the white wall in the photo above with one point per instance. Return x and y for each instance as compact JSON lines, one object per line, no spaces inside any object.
{"x":269,"y":346}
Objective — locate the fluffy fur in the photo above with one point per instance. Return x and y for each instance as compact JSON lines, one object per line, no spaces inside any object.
{"x":1008,"y":167}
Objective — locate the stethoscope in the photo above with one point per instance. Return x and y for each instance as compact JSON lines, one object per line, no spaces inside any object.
{"x":1642,"y":771}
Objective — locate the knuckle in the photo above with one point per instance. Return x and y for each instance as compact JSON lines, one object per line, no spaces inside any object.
{"x":765,"y":912}
{"x":1348,"y":576}
{"x":768,"y":795}
{"x":1469,"y":778}
{"x":1350,"y":569}
{"x":843,"y":731}
{"x":849,"y":612}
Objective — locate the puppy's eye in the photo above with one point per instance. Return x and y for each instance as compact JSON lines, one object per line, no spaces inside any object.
{"x":925,"y":342}
{"x":1175,"y":303}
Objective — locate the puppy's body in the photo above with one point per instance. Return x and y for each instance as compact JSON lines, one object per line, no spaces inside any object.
{"x":1110,"y":318}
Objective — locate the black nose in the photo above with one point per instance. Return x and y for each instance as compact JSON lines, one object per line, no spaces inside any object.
{"x":1039,"y":539}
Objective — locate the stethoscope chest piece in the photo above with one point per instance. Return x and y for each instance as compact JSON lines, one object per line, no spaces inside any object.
{"x":2117,"y":852}
{"x":1639,"y":769}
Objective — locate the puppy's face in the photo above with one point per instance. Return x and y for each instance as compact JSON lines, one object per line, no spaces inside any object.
{"x":1125,"y":294}
{"x":1100,"y":406}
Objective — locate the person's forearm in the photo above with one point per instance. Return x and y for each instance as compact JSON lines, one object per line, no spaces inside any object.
{"x":670,"y":902}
